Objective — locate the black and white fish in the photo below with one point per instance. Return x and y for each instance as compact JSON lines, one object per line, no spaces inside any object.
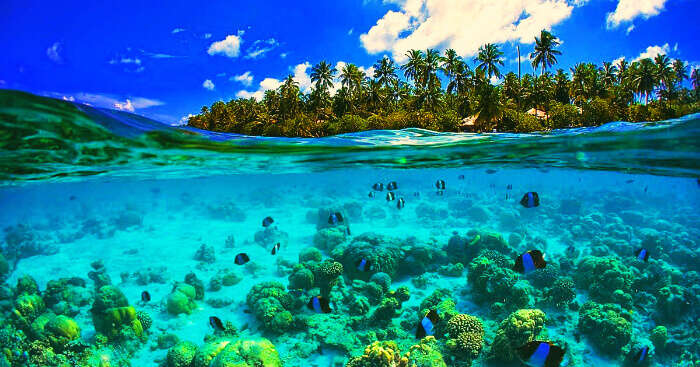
{"x":400,"y":203}
{"x":216,"y":323}
{"x":241,"y":258}
{"x":275,"y":248}
{"x":371,"y":194}
{"x":541,"y":354}
{"x":335,"y":218}
{"x":390,"y":196}
{"x":440,"y":184}
{"x":427,"y":324}
{"x":391,"y":186}
{"x":530,"y":261}
{"x":530,"y":200}
{"x":319,"y":304}
{"x":267,"y":221}
{"x":378,"y":186}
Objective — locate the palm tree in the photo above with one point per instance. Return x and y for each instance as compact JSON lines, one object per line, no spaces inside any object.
{"x":511,"y":88}
{"x":289,"y":97}
{"x":644,"y":78}
{"x":622,"y":67}
{"x":608,"y":74}
{"x":489,"y":58}
{"x":451,"y":65}
{"x":413,"y":67}
{"x":431,"y":65}
{"x":664,"y":72}
{"x":460,"y":74}
{"x":385,"y":72}
{"x":545,"y":54}
{"x":351,"y":77}
{"x":488,"y":105}
{"x":695,"y":80}
{"x":561,"y":89}
{"x":322,"y":76}
{"x":680,"y":71}
{"x":374,"y":95}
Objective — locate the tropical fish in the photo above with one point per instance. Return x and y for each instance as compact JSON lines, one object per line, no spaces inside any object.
{"x":541,"y":354}
{"x":416,"y":194}
{"x":440,"y":184}
{"x":642,"y":354}
{"x":378,"y":186}
{"x":491,"y":171}
{"x":390,"y":196}
{"x":646,"y":188}
{"x":629,"y":181}
{"x":371,"y":194}
{"x":427,"y":324}
{"x":319,"y":304}
{"x":642,"y":254}
{"x":391,"y":186}
{"x":363,"y":265}
{"x":145,"y":296}
{"x":335,"y":218}
{"x":401,"y":203}
{"x":530,"y":261}
{"x":72,"y":197}
{"x":267,"y":221}
{"x":216,"y":323}
{"x":530,"y":200}
{"x":460,"y":177}
{"x":275,"y":248}
{"x":509,"y":187}
{"x":241,"y":258}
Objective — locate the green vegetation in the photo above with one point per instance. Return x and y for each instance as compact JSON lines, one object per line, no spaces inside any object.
{"x":644,"y":90}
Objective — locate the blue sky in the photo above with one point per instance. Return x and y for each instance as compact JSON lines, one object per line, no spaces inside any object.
{"x":166,"y":62}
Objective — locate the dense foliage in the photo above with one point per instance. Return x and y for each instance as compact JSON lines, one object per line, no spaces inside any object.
{"x":644,"y":90}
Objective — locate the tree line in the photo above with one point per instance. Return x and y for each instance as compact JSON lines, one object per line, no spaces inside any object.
{"x":587,"y":95}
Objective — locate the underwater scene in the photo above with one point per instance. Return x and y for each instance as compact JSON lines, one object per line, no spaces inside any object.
{"x":130,"y":243}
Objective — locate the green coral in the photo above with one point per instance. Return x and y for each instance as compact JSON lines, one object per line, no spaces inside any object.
{"x":28,"y":307}
{"x":671,"y":304}
{"x":4,"y":267}
{"x":181,"y":354}
{"x":383,"y":254}
{"x":378,"y":354}
{"x":114,"y":321}
{"x":145,"y":319}
{"x":207,"y":352}
{"x":326,"y":275}
{"x":60,"y":330}
{"x":466,"y":335}
{"x":602,"y":276}
{"x":26,"y":285}
{"x":659,"y":337}
{"x":562,"y":293}
{"x":248,"y":353}
{"x":491,"y":283}
{"x":301,"y":278}
{"x":271,"y":304}
{"x":329,"y":238}
{"x":310,"y":254}
{"x":424,"y":354}
{"x":181,"y":299}
{"x":519,"y":328}
{"x":606,"y":326}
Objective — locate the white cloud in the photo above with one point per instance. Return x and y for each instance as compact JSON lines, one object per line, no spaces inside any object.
{"x":260,"y":48}
{"x":229,"y":47}
{"x":208,"y":84}
{"x":130,"y":104}
{"x":177,"y":30}
{"x":207,"y":36}
{"x":350,"y":31}
{"x":628,"y":10}
{"x":126,"y":60}
{"x":245,"y":78}
{"x":462,"y":25}
{"x":302,"y":77}
{"x":629,"y":29}
{"x":183,"y":120}
{"x":265,"y":84}
{"x":283,"y":55}
{"x":652,"y":51}
{"x":53,"y":52}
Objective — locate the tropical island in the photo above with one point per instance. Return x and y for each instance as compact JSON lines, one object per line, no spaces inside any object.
{"x":590,"y":95}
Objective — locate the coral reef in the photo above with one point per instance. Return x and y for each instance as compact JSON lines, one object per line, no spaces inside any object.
{"x":181,"y":299}
{"x":271,"y":305}
{"x":466,"y":334}
{"x":519,"y":328}
{"x":606,"y":325}
{"x":383,"y":255}
{"x":496,"y":285}
{"x":602,"y":276}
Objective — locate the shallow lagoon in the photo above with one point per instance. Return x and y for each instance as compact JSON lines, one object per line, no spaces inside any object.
{"x":146,"y":226}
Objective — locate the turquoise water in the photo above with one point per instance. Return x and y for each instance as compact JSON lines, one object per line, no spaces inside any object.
{"x":94,"y":198}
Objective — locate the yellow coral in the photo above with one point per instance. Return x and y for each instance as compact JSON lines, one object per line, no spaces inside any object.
{"x":463,"y":323}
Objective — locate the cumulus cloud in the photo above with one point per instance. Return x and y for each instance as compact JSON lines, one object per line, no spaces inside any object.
{"x":132,"y":64}
{"x":229,"y":47}
{"x":628,"y":10}
{"x":260,"y":48}
{"x":652,"y":51}
{"x":207,"y":36}
{"x":265,"y":84}
{"x":53,"y":52}
{"x":462,"y":25}
{"x":177,"y":30}
{"x":245,"y":78}
{"x":283,"y":55}
{"x":208,"y":84}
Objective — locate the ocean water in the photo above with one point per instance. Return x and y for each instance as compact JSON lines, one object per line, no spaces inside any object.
{"x":100,"y":198}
